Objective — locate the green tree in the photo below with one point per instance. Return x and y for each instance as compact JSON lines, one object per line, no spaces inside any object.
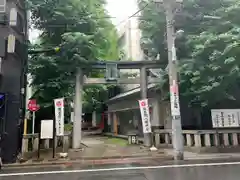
{"x":208,"y":52}
{"x":83,"y":32}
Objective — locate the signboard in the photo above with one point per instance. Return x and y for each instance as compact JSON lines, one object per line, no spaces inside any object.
{"x":174,"y":97}
{"x":46,"y":129}
{"x":59,"y":116}
{"x":33,"y":106}
{"x":225,"y":118}
{"x":144,"y":109}
{"x":111,"y":71}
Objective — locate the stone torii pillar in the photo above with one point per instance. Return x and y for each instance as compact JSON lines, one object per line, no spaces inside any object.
{"x":77,"y":122}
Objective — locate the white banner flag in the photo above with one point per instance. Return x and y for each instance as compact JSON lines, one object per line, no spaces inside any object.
{"x":144,"y":109}
{"x":59,"y":116}
{"x":174,"y":98}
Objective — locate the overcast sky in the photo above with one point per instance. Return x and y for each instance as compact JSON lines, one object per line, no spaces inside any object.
{"x":121,"y":9}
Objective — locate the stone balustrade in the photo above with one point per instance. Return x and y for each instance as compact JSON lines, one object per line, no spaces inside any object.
{"x":30,"y":142}
{"x":201,"y":138}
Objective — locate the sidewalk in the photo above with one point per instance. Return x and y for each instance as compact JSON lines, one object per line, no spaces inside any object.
{"x":105,"y":147}
{"x":97,"y":150}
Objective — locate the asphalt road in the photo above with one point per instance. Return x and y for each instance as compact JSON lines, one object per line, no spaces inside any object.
{"x":183,"y":171}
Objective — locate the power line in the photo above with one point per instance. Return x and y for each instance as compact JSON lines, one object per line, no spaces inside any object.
{"x":106,"y":17}
{"x":73,"y":24}
{"x":133,"y":15}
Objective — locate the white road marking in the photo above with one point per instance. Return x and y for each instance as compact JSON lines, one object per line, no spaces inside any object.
{"x":117,"y":169}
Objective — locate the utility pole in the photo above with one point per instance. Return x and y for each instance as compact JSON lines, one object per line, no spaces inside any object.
{"x":177,"y":137}
{"x":77,"y":123}
{"x":143,"y":84}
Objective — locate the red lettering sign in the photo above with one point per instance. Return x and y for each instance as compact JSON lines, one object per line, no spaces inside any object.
{"x":143,"y":103}
{"x":33,"y":106}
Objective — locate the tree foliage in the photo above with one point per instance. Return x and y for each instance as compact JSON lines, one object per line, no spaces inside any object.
{"x":208,"y":53}
{"x":84,"y":33}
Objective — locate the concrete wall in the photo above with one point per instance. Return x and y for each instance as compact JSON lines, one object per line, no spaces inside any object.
{"x":130,"y":36}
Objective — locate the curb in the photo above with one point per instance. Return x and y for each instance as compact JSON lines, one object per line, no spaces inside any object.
{"x":229,"y":158}
{"x":89,"y":161}
{"x":206,"y":157}
{"x":120,"y":157}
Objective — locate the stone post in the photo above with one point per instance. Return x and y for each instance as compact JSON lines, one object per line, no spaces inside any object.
{"x":235,"y":139}
{"x":25,"y":144}
{"x":189,"y":140}
{"x":115,"y":124}
{"x":207,"y":140}
{"x":94,"y":119}
{"x":197,"y":139}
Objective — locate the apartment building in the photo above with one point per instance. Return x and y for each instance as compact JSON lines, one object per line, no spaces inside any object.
{"x":13,"y":67}
{"x":129,"y":43}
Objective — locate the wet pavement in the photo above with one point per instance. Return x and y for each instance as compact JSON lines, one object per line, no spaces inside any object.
{"x":200,"y":170}
{"x":108,"y":147}
{"x":95,"y":148}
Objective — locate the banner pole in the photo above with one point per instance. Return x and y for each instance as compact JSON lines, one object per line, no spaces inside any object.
{"x":25,"y":126}
{"x":54,"y":138}
{"x":33,"y":123}
{"x":39,"y":136}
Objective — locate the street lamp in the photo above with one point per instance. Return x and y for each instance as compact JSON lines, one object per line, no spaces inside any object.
{"x":177,"y":137}
{"x":161,"y":1}
{"x":179,"y":33}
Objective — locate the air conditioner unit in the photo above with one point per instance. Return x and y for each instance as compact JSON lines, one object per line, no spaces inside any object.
{"x":16,"y":20}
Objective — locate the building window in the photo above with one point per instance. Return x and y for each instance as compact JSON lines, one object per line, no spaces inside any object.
{"x":3,"y":105}
{"x":3,"y":44}
{"x":14,"y":46}
{"x":1,"y":65}
{"x":20,"y":22}
{"x":2,"y":6}
{"x":19,"y":49}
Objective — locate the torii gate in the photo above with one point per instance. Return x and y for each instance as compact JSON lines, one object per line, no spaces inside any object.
{"x":112,"y":72}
